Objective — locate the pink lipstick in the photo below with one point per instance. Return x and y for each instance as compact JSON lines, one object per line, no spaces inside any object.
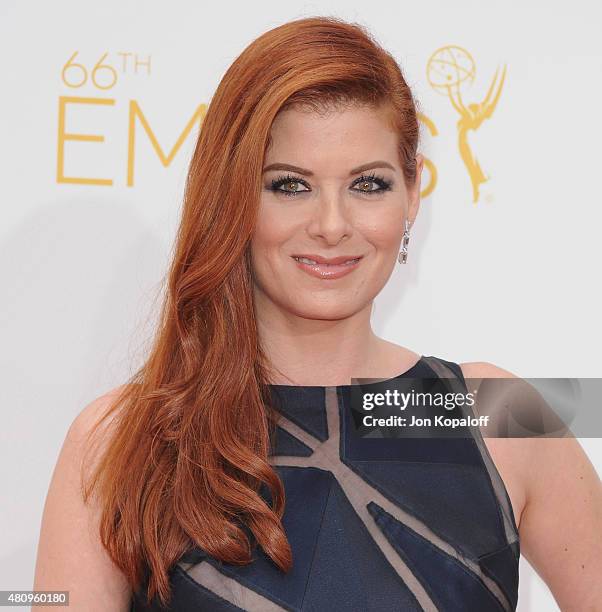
{"x":329,"y":268}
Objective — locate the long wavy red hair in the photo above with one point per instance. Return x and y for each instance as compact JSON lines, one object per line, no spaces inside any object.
{"x":191,"y":433}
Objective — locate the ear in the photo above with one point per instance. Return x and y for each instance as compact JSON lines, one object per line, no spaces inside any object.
{"x":414,"y":190}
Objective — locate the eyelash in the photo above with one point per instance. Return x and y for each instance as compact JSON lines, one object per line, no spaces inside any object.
{"x":383,"y":184}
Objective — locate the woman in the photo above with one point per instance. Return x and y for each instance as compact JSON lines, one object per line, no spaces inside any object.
{"x":215,"y":479}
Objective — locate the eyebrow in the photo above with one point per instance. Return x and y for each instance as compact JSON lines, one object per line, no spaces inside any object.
{"x":291,"y":168}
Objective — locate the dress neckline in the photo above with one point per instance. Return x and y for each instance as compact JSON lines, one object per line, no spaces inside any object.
{"x":407,"y":372}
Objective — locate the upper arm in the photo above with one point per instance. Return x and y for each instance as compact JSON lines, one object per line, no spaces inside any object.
{"x":561,"y":524}
{"x":561,"y":531}
{"x":70,"y":555}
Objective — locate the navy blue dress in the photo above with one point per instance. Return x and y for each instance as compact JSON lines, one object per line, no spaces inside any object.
{"x":374,"y":525}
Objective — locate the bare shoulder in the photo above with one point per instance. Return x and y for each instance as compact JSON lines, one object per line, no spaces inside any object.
{"x":484,"y":369}
{"x":92,"y":415}
{"x":564,"y":545}
{"x":70,"y":555}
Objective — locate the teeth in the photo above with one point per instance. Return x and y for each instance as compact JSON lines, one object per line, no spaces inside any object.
{"x":313,"y":263}
{"x":305,"y":260}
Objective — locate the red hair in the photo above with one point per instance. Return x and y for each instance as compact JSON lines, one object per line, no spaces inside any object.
{"x":189,"y":450}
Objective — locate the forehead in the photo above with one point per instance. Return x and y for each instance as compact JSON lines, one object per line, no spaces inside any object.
{"x":336,"y":138}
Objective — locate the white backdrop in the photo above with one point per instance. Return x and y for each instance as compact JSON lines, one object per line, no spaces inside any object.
{"x":511,"y":278}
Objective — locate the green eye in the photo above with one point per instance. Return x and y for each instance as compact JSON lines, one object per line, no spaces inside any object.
{"x":288,"y":181}
{"x":289,"y":185}
{"x":383,"y":185}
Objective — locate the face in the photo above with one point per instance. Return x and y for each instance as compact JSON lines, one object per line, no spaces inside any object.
{"x":332,"y":189}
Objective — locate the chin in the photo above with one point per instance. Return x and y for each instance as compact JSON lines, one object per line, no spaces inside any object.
{"x":323,"y":312}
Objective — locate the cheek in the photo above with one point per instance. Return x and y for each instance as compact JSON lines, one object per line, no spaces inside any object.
{"x":384,"y":231}
{"x":270,"y":236}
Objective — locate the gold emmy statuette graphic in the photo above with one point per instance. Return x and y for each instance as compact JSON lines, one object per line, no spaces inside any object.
{"x":447,"y":69}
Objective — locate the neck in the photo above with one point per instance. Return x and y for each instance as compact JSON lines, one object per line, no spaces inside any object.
{"x":324,"y":352}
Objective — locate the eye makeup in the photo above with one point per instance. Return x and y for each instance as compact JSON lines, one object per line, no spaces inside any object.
{"x":290,"y":179}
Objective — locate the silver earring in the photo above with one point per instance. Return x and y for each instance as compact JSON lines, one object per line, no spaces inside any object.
{"x":403,"y":254}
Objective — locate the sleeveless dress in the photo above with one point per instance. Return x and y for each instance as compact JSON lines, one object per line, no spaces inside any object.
{"x":405,"y":524}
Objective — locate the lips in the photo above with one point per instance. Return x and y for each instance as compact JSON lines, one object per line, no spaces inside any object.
{"x":327,"y":268}
{"x":329,"y":261}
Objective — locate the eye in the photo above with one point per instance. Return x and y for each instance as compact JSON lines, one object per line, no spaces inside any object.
{"x":289,"y":185}
{"x":290,"y":182}
{"x":365,"y":180}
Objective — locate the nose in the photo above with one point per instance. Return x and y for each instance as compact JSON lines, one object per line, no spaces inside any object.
{"x":330,"y":220}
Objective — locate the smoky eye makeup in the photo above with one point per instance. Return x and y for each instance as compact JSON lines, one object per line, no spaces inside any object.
{"x":283,"y":184}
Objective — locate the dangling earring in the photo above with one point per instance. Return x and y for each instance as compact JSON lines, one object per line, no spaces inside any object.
{"x":403,"y":254}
